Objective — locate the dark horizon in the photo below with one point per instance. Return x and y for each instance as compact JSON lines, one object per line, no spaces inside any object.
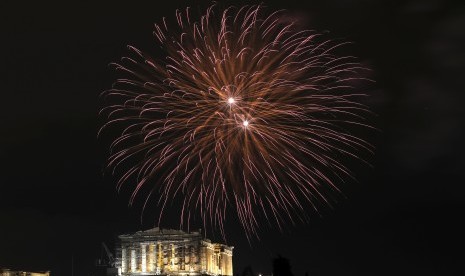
{"x":402,"y":215}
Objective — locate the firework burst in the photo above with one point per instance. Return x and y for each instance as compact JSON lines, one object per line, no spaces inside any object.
{"x":247,"y":111}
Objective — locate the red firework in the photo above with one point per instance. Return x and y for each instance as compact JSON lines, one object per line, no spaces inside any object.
{"x":246,"y":111}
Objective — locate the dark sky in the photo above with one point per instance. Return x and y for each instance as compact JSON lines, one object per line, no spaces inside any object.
{"x":403,"y":217}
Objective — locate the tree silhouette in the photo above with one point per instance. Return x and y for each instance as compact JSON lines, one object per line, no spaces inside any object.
{"x":281,"y":267}
{"x":248,"y":271}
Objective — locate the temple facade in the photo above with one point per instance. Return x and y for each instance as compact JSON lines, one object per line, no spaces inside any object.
{"x":9,"y":272}
{"x":172,"y":252}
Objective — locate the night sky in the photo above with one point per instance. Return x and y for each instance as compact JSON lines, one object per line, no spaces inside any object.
{"x":404,"y":216}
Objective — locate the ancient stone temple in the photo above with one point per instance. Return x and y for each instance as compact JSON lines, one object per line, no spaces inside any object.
{"x":9,"y":272}
{"x":172,"y":252}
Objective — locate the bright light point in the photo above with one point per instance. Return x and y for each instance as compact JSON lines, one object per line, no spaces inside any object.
{"x":231,"y":100}
{"x":245,"y":123}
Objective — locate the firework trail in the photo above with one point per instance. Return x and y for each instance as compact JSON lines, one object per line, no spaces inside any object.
{"x":247,"y":111}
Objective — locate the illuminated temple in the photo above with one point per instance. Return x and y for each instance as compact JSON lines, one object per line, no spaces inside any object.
{"x":172,"y":252}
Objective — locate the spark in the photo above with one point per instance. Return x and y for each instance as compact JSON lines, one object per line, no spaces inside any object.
{"x":178,"y":141}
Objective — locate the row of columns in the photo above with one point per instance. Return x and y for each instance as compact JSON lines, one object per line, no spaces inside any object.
{"x":152,"y":260}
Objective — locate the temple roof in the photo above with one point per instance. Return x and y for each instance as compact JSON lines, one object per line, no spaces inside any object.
{"x":159,"y":232}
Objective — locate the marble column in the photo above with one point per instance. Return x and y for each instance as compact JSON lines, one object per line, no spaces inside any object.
{"x":124,"y":260}
{"x":151,"y":266}
{"x":143,"y":253}
{"x":133,"y":260}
